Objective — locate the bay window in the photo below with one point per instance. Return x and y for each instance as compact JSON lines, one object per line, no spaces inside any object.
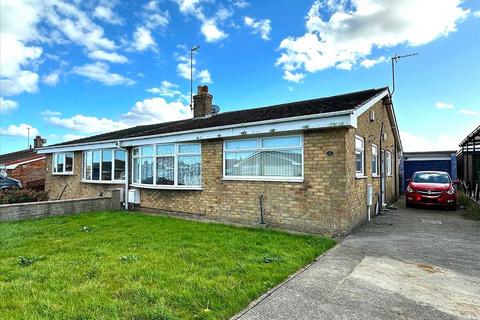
{"x":270,"y":158}
{"x":374,"y":160}
{"x":105,"y":165}
{"x":62,"y":163}
{"x":359,"y":156}
{"x":173,"y":165}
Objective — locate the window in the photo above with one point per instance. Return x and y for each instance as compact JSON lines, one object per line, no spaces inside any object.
{"x":374,"y":160}
{"x":272,"y":158}
{"x":105,"y":165}
{"x":359,"y":156}
{"x":388,"y":159}
{"x":173,"y":165}
{"x":62,"y":163}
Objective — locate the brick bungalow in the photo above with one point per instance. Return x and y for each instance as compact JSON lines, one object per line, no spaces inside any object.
{"x":305,"y":164}
{"x":25,"y":165}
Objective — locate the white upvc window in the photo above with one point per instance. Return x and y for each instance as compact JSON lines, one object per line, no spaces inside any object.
{"x":168,"y":166}
{"x":104,"y":166}
{"x":359,"y":156}
{"x":62,"y":163}
{"x":388,"y":160}
{"x":374,"y":160}
{"x":274,"y":158}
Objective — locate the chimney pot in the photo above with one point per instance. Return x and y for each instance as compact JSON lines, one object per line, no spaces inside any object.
{"x":38,"y":142}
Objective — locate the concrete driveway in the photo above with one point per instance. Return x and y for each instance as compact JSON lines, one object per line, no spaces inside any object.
{"x":408,"y":264}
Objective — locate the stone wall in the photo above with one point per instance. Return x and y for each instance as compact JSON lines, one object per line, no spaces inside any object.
{"x":370,"y":131}
{"x":20,"y":211}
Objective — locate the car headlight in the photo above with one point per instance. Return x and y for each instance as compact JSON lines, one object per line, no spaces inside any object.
{"x":451,"y":191}
{"x":409,"y":190}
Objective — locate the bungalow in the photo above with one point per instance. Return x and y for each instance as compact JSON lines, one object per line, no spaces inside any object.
{"x":304,"y":165}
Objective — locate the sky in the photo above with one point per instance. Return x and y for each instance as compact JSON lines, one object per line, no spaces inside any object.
{"x":70,"y":69}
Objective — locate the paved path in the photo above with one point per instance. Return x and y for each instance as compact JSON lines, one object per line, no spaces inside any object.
{"x":408,"y":264}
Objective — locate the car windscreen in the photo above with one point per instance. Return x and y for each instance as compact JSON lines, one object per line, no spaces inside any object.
{"x":428,"y":177}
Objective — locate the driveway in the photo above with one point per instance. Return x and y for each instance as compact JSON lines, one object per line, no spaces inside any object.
{"x":407,"y":264}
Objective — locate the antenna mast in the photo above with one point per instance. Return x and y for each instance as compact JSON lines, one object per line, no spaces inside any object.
{"x":395,"y":59}
{"x":28,"y":138}
{"x":192,"y":50}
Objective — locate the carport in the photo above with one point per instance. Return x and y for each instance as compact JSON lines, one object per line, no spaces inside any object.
{"x":468,"y":160}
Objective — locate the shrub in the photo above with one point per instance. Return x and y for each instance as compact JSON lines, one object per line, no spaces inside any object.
{"x":22,"y":195}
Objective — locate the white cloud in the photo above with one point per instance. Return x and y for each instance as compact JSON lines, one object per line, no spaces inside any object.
{"x":105,"y":13}
{"x":476,"y":14}
{"x":209,"y":27}
{"x":412,"y":143}
{"x":293,"y":77}
{"x":142,"y":39}
{"x":85,"y":124}
{"x":241,"y":4}
{"x":261,"y":27}
{"x":99,"y":71}
{"x":19,"y":131}
{"x":107,"y":56}
{"x":183,"y":70}
{"x":51,"y":79}
{"x":368,"y":63}
{"x":469,"y":112}
{"x":15,"y":56}
{"x":156,"y":110}
{"x":211,"y":32}
{"x":349,"y":33}
{"x":443,"y":105}
{"x":154,"y":17}
{"x":7,"y":105}
{"x":168,"y":89}
{"x":70,"y":137}
{"x":49,"y":113}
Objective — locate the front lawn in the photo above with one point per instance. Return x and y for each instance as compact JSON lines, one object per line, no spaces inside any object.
{"x":132,"y":266}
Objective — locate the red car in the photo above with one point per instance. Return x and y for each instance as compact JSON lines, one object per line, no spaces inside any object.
{"x":431,"y":188}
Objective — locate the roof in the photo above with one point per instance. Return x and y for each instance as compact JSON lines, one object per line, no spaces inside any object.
{"x":343,"y":102}
{"x":473,"y":136}
{"x":19,"y":156}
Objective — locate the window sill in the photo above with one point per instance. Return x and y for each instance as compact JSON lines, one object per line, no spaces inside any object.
{"x":62,"y":174}
{"x":360,"y":177}
{"x":262,"y":179}
{"x":103,"y":182}
{"x":375,"y":176}
{"x":146,"y":186}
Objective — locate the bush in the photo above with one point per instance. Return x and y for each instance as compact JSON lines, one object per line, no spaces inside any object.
{"x":22,"y":195}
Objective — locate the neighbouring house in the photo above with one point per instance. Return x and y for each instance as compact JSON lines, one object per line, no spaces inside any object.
{"x":468,"y":163}
{"x":305,"y":165}
{"x":26,"y":166}
{"x":427,"y":161}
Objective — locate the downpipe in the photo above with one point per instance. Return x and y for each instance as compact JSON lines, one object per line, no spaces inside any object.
{"x":127,"y":157}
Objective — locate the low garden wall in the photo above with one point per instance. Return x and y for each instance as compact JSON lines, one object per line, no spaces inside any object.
{"x":19,"y":211}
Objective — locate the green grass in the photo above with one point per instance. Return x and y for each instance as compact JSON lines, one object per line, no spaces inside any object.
{"x":113,"y":265}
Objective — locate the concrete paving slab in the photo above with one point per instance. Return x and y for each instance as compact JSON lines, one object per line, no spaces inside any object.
{"x":408,"y":264}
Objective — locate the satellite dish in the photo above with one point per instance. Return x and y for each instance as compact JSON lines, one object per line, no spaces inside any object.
{"x":215,"y":109}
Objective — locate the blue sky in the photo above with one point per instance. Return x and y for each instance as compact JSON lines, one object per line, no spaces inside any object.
{"x":78,"y":68}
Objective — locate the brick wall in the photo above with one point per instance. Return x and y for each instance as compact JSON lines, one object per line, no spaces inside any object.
{"x":370,"y":131}
{"x":74,"y":187}
{"x":20,"y":211}
{"x":31,"y":171}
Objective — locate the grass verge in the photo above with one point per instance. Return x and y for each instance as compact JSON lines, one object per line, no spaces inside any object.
{"x":110,"y":265}
{"x":472,"y":209}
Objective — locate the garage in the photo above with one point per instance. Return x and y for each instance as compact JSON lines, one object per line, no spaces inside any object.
{"x":428,"y":161}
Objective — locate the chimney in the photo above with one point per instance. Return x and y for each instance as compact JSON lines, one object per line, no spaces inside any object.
{"x":202,"y":102}
{"x":38,"y":142}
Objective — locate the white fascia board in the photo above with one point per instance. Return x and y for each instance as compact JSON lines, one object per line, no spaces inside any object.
{"x":15,"y":165}
{"x":80,"y":147}
{"x":371,"y":102}
{"x":344,"y":120}
{"x":426,"y":158}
